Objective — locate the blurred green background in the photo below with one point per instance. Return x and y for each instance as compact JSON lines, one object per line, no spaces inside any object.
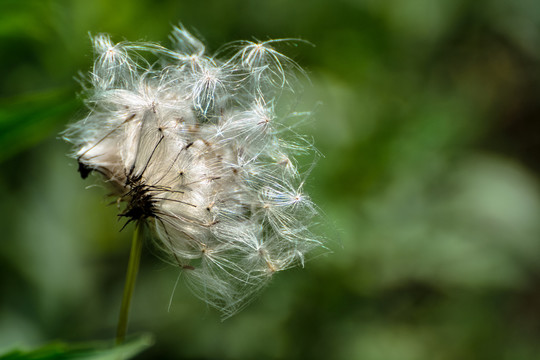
{"x":426,"y":112}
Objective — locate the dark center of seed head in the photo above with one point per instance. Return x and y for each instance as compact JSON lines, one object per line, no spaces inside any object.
{"x":141,"y":204}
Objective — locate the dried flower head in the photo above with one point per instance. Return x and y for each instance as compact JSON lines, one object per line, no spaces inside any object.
{"x":192,"y":146}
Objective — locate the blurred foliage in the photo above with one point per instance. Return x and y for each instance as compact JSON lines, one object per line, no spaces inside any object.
{"x":59,"y":351}
{"x":426,"y":113}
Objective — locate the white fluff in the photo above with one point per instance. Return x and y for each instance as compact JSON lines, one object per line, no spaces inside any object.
{"x":194,"y":149}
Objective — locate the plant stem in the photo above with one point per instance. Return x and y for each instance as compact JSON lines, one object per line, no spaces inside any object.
{"x":131,"y":276}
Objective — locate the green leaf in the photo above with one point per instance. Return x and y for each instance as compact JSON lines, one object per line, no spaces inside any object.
{"x":89,"y":351}
{"x":26,"y":120}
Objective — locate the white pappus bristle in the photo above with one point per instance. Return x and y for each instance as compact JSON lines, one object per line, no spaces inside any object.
{"x":193,"y":147}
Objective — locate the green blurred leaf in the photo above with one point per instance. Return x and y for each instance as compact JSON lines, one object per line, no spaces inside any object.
{"x":25,"y":120}
{"x":92,"y":351}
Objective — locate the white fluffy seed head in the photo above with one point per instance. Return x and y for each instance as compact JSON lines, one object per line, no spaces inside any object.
{"x":194,"y":149}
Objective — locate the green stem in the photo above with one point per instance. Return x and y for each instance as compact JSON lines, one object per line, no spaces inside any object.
{"x":133,"y":268}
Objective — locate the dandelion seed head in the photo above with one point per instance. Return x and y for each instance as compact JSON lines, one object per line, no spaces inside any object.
{"x":193,"y":147}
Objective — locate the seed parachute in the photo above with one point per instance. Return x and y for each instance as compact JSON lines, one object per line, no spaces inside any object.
{"x":192,"y":146}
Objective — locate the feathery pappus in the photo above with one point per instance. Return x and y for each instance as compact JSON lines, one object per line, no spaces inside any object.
{"x":192,"y":147}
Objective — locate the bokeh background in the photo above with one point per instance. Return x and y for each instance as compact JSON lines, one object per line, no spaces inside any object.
{"x":427,"y":114}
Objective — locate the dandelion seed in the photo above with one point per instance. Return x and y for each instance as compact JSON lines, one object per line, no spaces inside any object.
{"x":193,"y":149}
